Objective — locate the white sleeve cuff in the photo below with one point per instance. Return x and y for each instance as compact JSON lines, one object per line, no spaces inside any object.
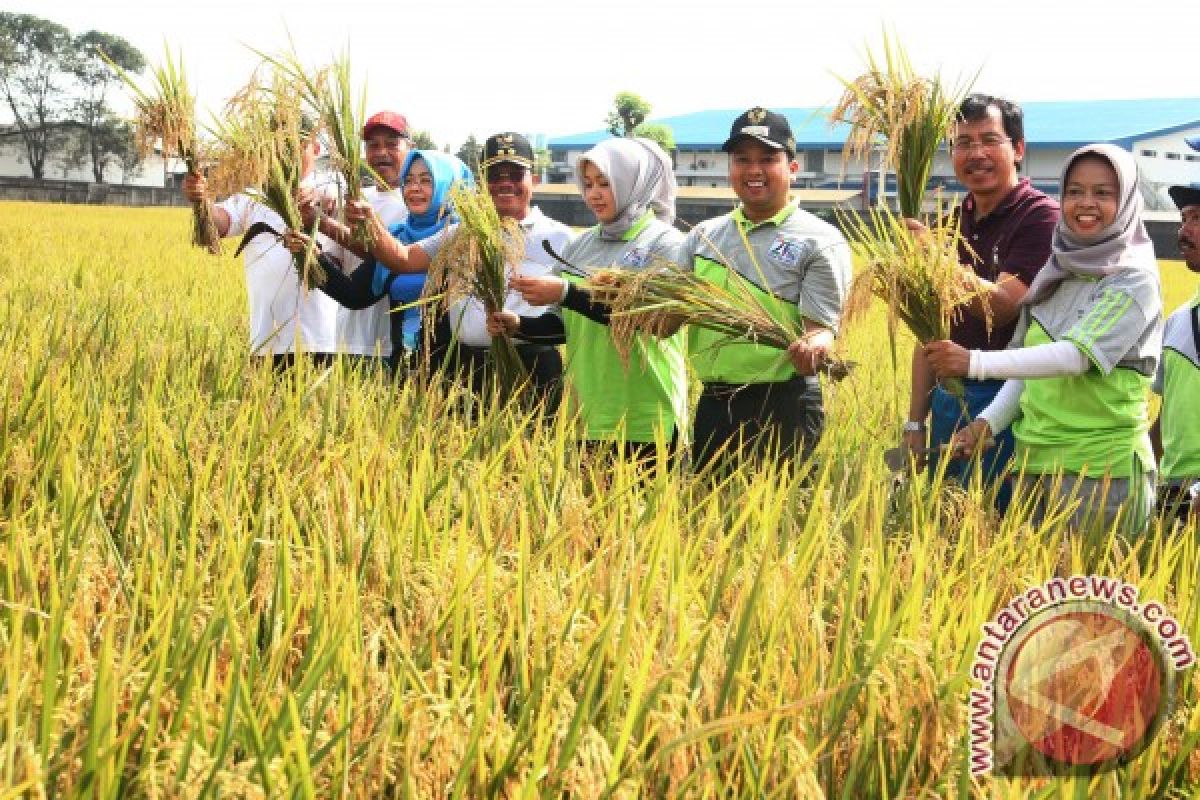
{"x":1052,"y":360}
{"x":1005,"y":406}
{"x":566,"y":287}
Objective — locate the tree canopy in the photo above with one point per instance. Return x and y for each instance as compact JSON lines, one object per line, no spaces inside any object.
{"x":53,"y":82}
{"x":629,"y":111}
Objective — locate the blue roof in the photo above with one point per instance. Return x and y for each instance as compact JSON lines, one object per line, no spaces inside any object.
{"x":1047,"y":124}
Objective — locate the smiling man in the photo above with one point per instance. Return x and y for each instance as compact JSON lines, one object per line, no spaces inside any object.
{"x":1176,"y":434}
{"x":367,"y":332}
{"x":1006,"y":228}
{"x":462,"y":336}
{"x":754,"y":396}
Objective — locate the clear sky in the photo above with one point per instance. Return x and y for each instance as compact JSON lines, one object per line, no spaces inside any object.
{"x":552,"y":66}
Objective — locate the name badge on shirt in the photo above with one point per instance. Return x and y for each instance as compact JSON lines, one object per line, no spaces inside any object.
{"x":787,"y":251}
{"x":635,"y":258}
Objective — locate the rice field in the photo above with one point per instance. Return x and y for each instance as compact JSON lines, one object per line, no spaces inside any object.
{"x":214,"y":583}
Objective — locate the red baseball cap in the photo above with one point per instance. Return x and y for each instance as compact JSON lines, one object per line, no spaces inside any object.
{"x":386,"y":119}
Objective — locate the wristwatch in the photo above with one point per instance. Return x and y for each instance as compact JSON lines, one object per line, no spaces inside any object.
{"x":914,"y":426}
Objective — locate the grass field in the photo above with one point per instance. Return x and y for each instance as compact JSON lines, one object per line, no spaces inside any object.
{"x":217,"y":584}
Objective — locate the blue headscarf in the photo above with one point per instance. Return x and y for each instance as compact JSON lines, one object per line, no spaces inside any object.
{"x":404,"y":288}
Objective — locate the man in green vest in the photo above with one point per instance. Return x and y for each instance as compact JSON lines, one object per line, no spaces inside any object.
{"x":757,"y":399}
{"x":1176,"y":434}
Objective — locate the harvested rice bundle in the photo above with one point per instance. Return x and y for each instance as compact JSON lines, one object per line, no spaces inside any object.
{"x":330,"y":95}
{"x":165,"y":119}
{"x":909,"y":115}
{"x":474,"y":263}
{"x":916,"y":275}
{"x":658,"y":298}
{"x":262,"y":140}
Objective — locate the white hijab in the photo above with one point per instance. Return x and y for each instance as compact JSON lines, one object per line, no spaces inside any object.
{"x":641,"y":177}
{"x":1122,"y":245}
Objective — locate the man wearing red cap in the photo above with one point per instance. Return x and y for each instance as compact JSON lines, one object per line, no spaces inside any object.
{"x":367,"y":332}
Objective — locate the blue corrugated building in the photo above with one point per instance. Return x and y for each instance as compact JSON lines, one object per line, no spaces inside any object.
{"x":1153,"y":129}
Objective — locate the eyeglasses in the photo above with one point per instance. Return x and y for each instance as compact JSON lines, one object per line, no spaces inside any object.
{"x":413,"y":181}
{"x":988,"y":143}
{"x":504,"y":174}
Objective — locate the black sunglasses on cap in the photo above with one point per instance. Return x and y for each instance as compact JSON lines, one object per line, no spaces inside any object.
{"x":506,"y":172}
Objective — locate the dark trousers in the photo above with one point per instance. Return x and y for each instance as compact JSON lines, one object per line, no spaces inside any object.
{"x":543,"y":363}
{"x":753,"y":420}
{"x":284,"y":362}
{"x":948,"y":415}
{"x":1175,"y":501}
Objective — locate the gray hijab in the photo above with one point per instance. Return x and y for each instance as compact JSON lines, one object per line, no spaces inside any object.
{"x":641,"y":177}
{"x":1124,"y":245}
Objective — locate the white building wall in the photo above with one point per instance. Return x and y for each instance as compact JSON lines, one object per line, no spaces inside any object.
{"x":14,"y":164}
{"x":706,"y":168}
{"x":1167,"y":159}
{"x":1045,"y":163}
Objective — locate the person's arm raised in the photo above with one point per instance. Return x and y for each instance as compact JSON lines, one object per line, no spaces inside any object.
{"x":195,"y":189}
{"x":384,"y":248}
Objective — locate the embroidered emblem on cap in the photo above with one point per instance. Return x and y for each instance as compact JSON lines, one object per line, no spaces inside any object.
{"x":756,"y":115}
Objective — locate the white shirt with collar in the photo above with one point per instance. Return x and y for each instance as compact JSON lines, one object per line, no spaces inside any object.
{"x":467,"y":316}
{"x":284,"y":315}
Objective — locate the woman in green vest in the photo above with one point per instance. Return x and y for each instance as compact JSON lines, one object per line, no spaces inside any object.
{"x":1079,"y":366}
{"x":638,"y":404}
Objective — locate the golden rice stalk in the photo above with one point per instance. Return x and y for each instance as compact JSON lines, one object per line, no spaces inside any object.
{"x":909,"y":115}
{"x":474,"y":262}
{"x":165,"y":118}
{"x":917,"y":276}
{"x":262,"y":140}
{"x":329,"y":93}
{"x":655,"y":299}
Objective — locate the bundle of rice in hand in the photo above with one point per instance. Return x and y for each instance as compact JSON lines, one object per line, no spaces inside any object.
{"x":474,"y":263}
{"x":262,"y":139}
{"x":916,"y":273}
{"x":658,"y":298}
{"x":165,"y":122}
{"x":329,"y":94}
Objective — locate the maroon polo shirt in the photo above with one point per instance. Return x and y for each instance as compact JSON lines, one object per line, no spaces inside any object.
{"x":1014,"y":238}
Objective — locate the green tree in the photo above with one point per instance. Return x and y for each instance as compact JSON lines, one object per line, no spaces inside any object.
{"x":423,"y":140}
{"x":468,"y":153}
{"x":657,"y":132}
{"x":629,"y":111}
{"x":541,"y":162}
{"x":35,"y":56}
{"x":111,"y":140}
{"x":96,"y":77}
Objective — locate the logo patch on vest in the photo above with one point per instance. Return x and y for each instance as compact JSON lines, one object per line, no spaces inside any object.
{"x":635,"y":258}
{"x":787,"y":251}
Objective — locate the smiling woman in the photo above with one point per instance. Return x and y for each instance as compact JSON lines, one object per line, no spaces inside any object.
{"x":1090,"y":196}
{"x":427,"y":176}
{"x":1091,"y":330}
